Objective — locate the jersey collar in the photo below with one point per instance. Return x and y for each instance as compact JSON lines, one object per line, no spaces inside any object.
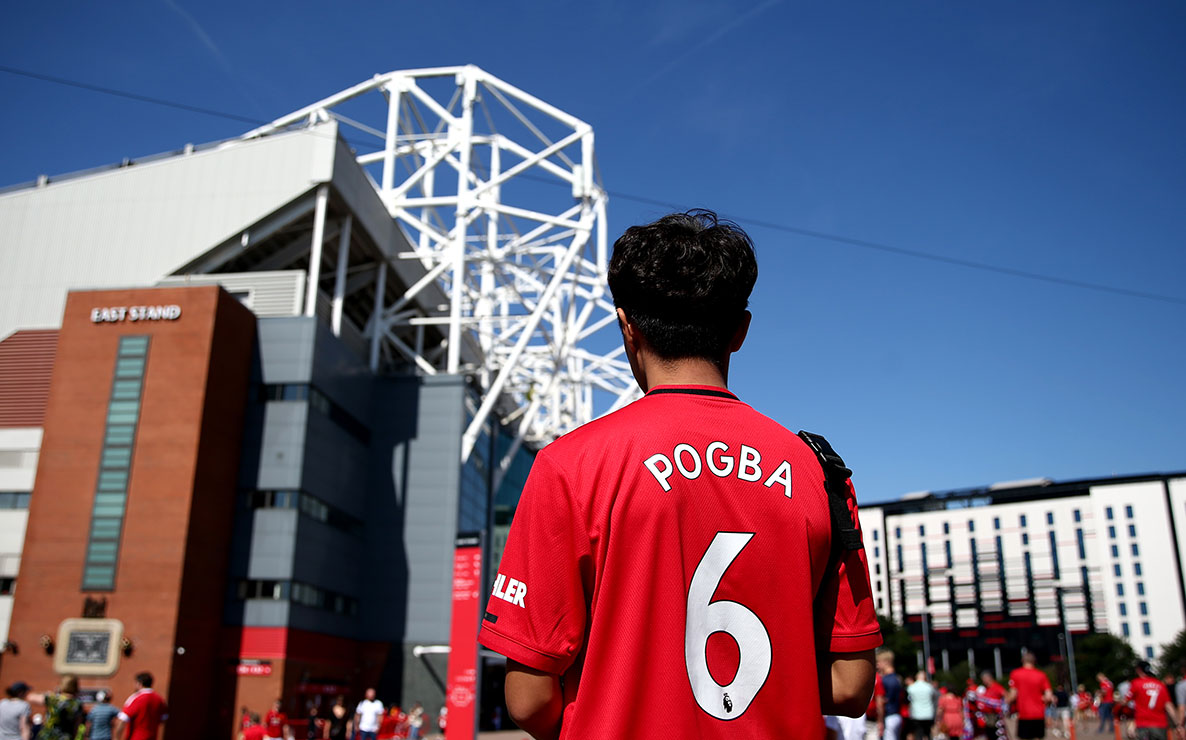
{"x":693,"y":390}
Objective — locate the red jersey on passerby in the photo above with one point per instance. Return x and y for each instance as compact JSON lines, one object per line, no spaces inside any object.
{"x":254,"y":732}
{"x":994,"y":693}
{"x":878,"y":690}
{"x":1031,"y":686}
{"x":1149,"y":697}
{"x":1107,"y":692}
{"x":642,"y":535}
{"x":274,"y":723}
{"x":144,"y":711}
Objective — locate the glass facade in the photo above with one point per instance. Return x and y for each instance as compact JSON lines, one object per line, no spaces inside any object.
{"x":115,"y":464}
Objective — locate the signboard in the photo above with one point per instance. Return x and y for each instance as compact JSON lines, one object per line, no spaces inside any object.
{"x":252,"y":668}
{"x":461,"y":682}
{"x":88,"y":647}
{"x":116,"y":314}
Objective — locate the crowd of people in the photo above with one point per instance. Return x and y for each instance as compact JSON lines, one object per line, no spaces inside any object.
{"x":916,"y":708}
{"x":69,"y":716}
{"x":370,"y":720}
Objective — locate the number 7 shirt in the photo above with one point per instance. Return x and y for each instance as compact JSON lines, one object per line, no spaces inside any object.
{"x":674,"y":557}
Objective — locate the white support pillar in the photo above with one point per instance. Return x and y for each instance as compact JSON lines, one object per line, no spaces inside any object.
{"x":463,"y":139}
{"x":340,"y":277}
{"x":377,"y":316}
{"x":315,"y":250}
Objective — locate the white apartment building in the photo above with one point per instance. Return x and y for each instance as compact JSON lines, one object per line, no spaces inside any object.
{"x":986,"y":573}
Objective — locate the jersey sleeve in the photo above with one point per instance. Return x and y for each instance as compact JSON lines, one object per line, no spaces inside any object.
{"x":537,"y":610}
{"x":845,"y":621}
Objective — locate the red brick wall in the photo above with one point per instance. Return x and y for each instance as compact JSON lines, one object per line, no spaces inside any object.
{"x":171,"y":572}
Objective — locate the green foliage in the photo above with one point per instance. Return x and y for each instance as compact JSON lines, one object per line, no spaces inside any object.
{"x":896,"y":638}
{"x":1173,"y":656}
{"x":1103,"y":653}
{"x":956,"y":678}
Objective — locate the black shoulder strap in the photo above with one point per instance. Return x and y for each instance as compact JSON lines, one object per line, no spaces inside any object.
{"x":836,"y":476}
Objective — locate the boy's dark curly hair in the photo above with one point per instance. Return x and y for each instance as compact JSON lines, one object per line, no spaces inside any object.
{"x":684,"y":281}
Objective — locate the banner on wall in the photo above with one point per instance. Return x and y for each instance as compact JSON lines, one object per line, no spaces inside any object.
{"x":461,"y":682}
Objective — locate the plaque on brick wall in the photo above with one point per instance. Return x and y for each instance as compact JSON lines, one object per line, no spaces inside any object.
{"x":88,"y":647}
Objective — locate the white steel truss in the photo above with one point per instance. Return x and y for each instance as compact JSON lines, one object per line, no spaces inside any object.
{"x":469,"y":166}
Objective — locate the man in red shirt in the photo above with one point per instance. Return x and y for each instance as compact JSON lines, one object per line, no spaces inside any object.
{"x":143,"y":712}
{"x":1107,"y":700}
{"x":252,"y":729}
{"x":1151,"y":702}
{"x":990,"y":704}
{"x":1029,"y":693}
{"x":276,"y":721}
{"x":678,"y":553}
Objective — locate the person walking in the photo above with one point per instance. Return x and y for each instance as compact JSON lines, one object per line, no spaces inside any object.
{"x":339,"y":720}
{"x":143,"y":712}
{"x":100,"y":721}
{"x":276,"y":721}
{"x":64,"y":712}
{"x":891,"y":710}
{"x":923,"y":699}
{"x":951,"y":713}
{"x":1151,"y":704}
{"x":15,"y":722}
{"x":368,"y":715}
{"x":1107,"y":702}
{"x":1030,"y":694}
{"x":709,"y":493}
{"x":990,"y":705}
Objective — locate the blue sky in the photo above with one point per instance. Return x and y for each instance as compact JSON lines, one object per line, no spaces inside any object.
{"x":1038,"y":137}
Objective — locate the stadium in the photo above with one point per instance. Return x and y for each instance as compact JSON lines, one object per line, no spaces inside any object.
{"x":254,"y":393}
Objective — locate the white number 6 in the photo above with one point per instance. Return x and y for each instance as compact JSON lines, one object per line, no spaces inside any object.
{"x":705,"y":616}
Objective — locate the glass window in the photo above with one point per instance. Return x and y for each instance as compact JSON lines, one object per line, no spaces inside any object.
{"x":1025,"y":538}
{"x":901,"y":565}
{"x":1145,"y":629}
{"x":946,"y":528}
{"x":1108,"y":513}
{"x":1144,"y":609}
{"x":1023,"y":520}
{"x":1149,"y":652}
{"x":996,"y":522}
{"x":126,"y":390}
{"x":1136,"y":551}
{"x":898,"y":532}
{"x":1080,"y":543}
{"x":1132,"y":530}
{"x":1078,"y":515}
{"x":1050,"y":517}
{"x":105,"y":528}
{"x":1140,"y":588}
{"x":133,"y":345}
{"x":971,"y":526}
{"x":116,"y":457}
{"x":1116,"y":569}
{"x":1124,"y":610}
{"x":1111,"y":532}
{"x":1136,"y":569}
{"x":922,"y":531}
{"x":119,"y":434}
{"x":1124,"y":628}
{"x":113,"y":480}
{"x":129,"y":368}
{"x":1128,"y":511}
{"x":877,"y":551}
{"x":1115,"y":551}
{"x":875,"y":535}
{"x":1119,"y":589}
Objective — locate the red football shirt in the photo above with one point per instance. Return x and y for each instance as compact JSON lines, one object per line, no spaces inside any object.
{"x":144,"y":711}
{"x":274,"y":723}
{"x":1149,"y":697}
{"x":1106,"y":692}
{"x":675,"y":554}
{"x":1031,"y":686}
{"x":878,"y":690}
{"x":254,"y":732}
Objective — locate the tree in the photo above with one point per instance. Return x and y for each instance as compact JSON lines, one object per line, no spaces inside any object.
{"x":1173,"y":656}
{"x":1103,"y":653}
{"x":895,"y":637}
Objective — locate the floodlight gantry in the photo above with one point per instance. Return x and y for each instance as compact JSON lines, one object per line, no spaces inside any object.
{"x":469,"y":170}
